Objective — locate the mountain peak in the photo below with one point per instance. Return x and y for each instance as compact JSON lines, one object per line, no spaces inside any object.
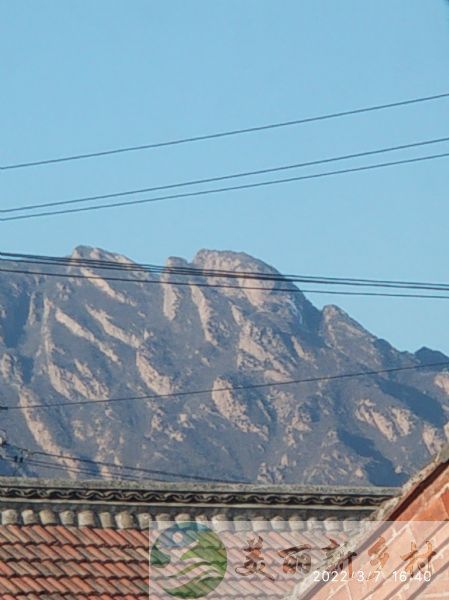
{"x":231,"y":261}
{"x":103,"y":338}
{"x":93,"y":253}
{"x":427,"y":355}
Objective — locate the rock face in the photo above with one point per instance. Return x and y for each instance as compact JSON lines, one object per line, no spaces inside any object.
{"x":64,"y":339}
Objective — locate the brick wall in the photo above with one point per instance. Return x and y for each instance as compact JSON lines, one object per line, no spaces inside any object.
{"x":421,"y":516}
{"x":427,"y":501}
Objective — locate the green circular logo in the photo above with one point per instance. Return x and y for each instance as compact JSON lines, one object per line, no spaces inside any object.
{"x":190,"y":559}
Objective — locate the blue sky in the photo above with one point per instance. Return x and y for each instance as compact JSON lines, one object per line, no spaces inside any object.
{"x":85,"y":76}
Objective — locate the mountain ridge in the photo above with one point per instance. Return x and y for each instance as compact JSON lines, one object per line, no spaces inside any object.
{"x":73,"y":339}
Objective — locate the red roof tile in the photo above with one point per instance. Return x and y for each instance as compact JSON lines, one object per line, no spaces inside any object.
{"x":6,"y":585}
{"x":69,"y":563}
{"x":5,"y":569}
{"x":64,"y":535}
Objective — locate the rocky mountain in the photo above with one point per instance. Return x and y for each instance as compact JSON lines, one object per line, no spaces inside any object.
{"x":71,"y":339}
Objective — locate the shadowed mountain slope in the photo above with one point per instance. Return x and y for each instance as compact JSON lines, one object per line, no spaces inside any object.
{"x":74,"y":339}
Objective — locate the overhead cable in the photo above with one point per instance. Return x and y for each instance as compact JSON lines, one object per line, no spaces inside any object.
{"x":27,"y":454}
{"x":210,"y":273}
{"x":222,"y":134}
{"x":232,"y":188}
{"x":226,"y":189}
{"x":288,"y":288}
{"x":279,"y":168}
{"x":231,"y":388}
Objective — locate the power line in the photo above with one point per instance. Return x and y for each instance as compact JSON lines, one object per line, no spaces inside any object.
{"x":222,"y":134}
{"x":79,"y":471}
{"x":49,"y":465}
{"x":52,"y":466}
{"x":229,"y":188}
{"x":72,"y":469}
{"x":228,"y":176}
{"x":152,"y":269}
{"x":28,"y":455}
{"x":227,"y":388}
{"x":152,"y":472}
{"x":274,"y":289}
{"x":226,"y":286}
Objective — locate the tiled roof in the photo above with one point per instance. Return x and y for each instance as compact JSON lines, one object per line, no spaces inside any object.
{"x":57,"y":562}
{"x":64,"y":540}
{"x":124,"y":505}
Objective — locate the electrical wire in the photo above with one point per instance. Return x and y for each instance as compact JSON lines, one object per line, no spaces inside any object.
{"x":233,"y":188}
{"x":227,"y":177}
{"x":222,"y":134}
{"x":151,"y":269}
{"x":234,"y":388}
{"x":226,"y":189}
{"x":200,"y":284}
{"x":236,"y":287}
{"x":29,"y":454}
{"x":29,"y":461}
{"x":115,"y":477}
{"x":76,"y":470}
{"x":125,"y":467}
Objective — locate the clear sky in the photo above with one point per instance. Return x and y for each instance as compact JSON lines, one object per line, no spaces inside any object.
{"x":82,"y":76}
